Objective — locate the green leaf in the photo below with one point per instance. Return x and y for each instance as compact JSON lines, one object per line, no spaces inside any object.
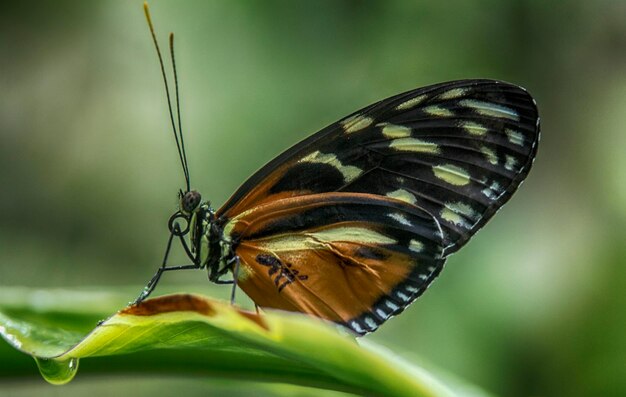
{"x":194,"y":335}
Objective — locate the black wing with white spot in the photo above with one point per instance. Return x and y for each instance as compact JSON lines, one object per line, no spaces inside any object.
{"x":458,"y":150}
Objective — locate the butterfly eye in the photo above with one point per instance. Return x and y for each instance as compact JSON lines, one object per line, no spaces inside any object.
{"x":190,"y":201}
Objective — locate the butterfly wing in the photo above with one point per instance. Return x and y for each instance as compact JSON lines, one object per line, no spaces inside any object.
{"x":352,"y":258}
{"x":354,"y":222}
{"x":458,"y":150}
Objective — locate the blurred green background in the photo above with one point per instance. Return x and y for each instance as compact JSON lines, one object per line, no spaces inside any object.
{"x":533,"y":306}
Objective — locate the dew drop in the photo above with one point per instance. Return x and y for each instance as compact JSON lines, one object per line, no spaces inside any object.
{"x":57,"y":372}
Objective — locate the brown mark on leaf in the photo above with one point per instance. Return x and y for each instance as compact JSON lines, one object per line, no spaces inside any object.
{"x":170,"y":303}
{"x":255,"y":318}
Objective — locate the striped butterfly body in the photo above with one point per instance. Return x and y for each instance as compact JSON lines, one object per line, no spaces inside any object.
{"x":353,"y":224}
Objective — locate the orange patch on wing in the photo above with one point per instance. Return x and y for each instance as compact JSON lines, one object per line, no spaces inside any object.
{"x":258,"y":218}
{"x":331,"y":282}
{"x":260,"y":194}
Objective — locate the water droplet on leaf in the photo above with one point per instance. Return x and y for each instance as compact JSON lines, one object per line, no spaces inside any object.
{"x":57,"y":372}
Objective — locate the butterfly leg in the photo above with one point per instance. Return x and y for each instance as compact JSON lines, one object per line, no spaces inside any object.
{"x":149,"y":288}
{"x":235,"y":275}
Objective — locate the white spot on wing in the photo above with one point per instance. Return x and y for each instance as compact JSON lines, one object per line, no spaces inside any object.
{"x":349,"y":172}
{"x":464,"y":209}
{"x":473,"y":128}
{"x":391,"y":305}
{"x":454,"y":218}
{"x":395,"y":131}
{"x":357,"y":327}
{"x":438,"y":111}
{"x":382,"y":314}
{"x":451,"y":174}
{"x":400,"y":218}
{"x":370,"y":322}
{"x":416,"y":246}
{"x":489,"y":154}
{"x":493,"y":191}
{"x":402,"y":195}
{"x":414,"y":145}
{"x":411,"y":103}
{"x":460,"y":213}
{"x":515,"y":137}
{"x":356,"y":123}
{"x":402,"y":296}
{"x":510,"y":162}
{"x":490,"y":109}
{"x":411,"y":289}
{"x":453,"y":93}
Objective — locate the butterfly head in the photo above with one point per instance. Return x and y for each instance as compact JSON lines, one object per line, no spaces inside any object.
{"x":189,"y":202}
{"x":194,"y":219}
{"x":190,"y":208}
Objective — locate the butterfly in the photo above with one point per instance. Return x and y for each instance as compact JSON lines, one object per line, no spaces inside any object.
{"x":355,"y":222}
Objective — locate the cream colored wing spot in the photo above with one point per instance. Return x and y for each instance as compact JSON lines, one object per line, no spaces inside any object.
{"x":493,"y":191}
{"x":460,"y":214}
{"x":453,"y":93}
{"x":463,"y":209}
{"x":411,"y":102}
{"x":490,"y":109}
{"x":510,"y":162}
{"x":395,"y":131}
{"x":400,"y":219}
{"x":349,"y":172}
{"x":382,"y":314}
{"x":403,"y":195}
{"x":404,"y":297}
{"x":357,"y":327}
{"x":452,"y":174}
{"x":438,"y":111}
{"x":416,"y":246}
{"x":515,"y":137}
{"x":370,"y":322}
{"x":320,"y":239}
{"x":473,"y":128}
{"x":356,"y":123}
{"x":414,"y":145}
{"x":391,"y":305}
{"x":489,"y":154}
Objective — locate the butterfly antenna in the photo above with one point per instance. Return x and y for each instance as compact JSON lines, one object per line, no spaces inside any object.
{"x":181,"y":156}
{"x":180,"y":127}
